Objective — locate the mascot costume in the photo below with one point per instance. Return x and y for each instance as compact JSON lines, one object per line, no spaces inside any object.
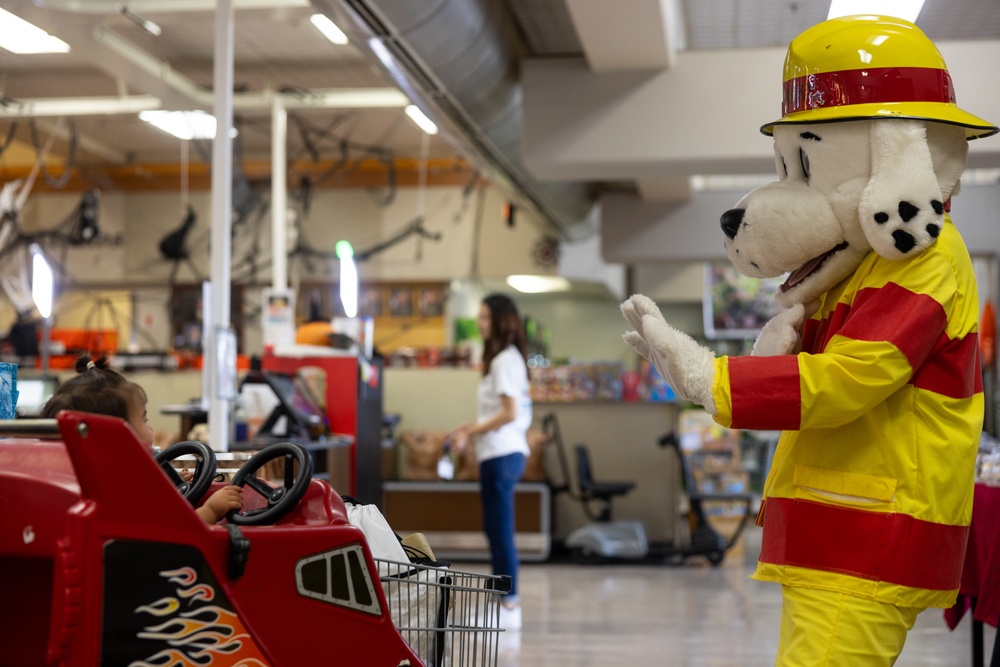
{"x":872,"y":372}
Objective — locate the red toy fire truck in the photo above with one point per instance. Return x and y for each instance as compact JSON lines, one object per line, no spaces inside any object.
{"x":105,"y":563}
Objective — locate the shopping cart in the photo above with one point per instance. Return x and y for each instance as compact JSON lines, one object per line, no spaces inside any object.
{"x":449,"y":618}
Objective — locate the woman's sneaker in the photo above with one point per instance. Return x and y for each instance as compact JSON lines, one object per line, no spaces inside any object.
{"x":510,"y":618}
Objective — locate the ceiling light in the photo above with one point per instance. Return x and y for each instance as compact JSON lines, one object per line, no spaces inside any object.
{"x":348,"y":278}
{"x":329,"y":29}
{"x":422,"y":121}
{"x":182,"y":124}
{"x":42,"y":282}
{"x":538,"y":284}
{"x":904,"y":9}
{"x":19,"y":36}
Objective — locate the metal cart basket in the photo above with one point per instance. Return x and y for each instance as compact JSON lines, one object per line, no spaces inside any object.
{"x":449,"y":618}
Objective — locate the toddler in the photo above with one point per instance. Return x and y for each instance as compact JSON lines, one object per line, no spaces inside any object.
{"x":99,"y":389}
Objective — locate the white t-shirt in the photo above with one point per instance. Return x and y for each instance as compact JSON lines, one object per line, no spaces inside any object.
{"x":507,"y":376}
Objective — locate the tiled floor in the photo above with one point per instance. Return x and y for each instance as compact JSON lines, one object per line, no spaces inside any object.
{"x":691,"y":615}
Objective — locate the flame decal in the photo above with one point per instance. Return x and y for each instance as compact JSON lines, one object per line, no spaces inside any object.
{"x":206,"y":635}
{"x":184,"y":576}
{"x":162,"y":607}
{"x":199,"y":592}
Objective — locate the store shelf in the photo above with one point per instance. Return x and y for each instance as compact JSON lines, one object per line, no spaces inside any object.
{"x":449,"y":514}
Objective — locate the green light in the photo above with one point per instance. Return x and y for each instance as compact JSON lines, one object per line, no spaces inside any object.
{"x":343,"y":249}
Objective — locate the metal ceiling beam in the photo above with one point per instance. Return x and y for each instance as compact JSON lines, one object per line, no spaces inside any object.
{"x":348,"y":98}
{"x":164,"y":6}
{"x":140,"y":62}
{"x":78,"y":106}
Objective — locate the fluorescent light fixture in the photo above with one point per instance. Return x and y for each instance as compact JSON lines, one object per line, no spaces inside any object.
{"x":41,"y":282}
{"x":538,"y":284}
{"x":422,"y":121}
{"x":182,"y":124}
{"x":19,"y":36}
{"x":904,"y":9}
{"x":348,"y":278}
{"x":329,"y":29}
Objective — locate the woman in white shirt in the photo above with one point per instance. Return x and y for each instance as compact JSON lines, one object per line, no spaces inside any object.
{"x":503,"y":416}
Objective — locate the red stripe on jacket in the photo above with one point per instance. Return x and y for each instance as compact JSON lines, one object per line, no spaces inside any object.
{"x":953,"y":369}
{"x":876,"y":546}
{"x":908,"y":321}
{"x":765,"y":392}
{"x":911,"y":322}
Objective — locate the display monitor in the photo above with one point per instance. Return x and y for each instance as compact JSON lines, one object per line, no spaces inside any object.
{"x":304,"y":417}
{"x":33,"y":393}
{"x":735,"y":306}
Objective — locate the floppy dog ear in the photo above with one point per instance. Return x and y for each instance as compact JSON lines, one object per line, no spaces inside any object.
{"x":901,"y":208}
{"x":949,"y":152}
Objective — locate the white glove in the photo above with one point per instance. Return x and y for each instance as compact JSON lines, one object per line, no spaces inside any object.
{"x":686,"y":366}
{"x":783,"y":333}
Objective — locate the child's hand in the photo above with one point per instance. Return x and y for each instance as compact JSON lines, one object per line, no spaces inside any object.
{"x":186,"y":475}
{"x":221,"y":503}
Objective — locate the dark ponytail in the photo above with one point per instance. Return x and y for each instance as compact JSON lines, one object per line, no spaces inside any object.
{"x":506,"y":329}
{"x":96,"y":388}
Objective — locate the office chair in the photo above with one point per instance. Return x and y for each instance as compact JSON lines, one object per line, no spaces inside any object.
{"x":594,"y":491}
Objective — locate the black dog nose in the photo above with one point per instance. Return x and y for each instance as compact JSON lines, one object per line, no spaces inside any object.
{"x":731,"y":221}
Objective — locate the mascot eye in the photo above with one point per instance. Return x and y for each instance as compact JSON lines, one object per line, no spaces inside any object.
{"x":804,"y":161}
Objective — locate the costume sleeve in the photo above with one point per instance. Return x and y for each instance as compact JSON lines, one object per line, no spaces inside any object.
{"x":509,"y":373}
{"x":870,"y":346}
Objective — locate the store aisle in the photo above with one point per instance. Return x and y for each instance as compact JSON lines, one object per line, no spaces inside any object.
{"x":683,"y":616}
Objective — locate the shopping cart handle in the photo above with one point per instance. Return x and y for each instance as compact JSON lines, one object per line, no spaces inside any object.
{"x":500,"y":584}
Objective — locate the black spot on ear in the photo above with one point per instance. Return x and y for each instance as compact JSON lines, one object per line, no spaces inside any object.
{"x":937,"y":206}
{"x":904,"y":240}
{"x":881,"y":218}
{"x":907,"y":211}
{"x":933,"y":230}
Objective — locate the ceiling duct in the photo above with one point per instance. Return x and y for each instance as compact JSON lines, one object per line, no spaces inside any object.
{"x":459,"y":61}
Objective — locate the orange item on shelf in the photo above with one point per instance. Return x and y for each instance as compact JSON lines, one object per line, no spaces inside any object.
{"x":94,"y":341}
{"x":988,"y":335}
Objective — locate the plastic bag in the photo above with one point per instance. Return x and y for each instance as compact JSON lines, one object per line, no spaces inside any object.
{"x":381,"y":539}
{"x":420,"y":598}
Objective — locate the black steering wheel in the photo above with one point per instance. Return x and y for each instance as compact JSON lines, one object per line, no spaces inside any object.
{"x":280,"y":499}
{"x":204,"y":468}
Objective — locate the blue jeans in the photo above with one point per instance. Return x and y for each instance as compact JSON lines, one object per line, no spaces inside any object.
{"x":497,"y":478}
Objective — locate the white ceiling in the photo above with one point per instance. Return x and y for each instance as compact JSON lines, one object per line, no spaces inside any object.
{"x":277,"y":48}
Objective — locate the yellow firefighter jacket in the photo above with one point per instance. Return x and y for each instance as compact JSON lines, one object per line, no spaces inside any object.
{"x":870,"y":489}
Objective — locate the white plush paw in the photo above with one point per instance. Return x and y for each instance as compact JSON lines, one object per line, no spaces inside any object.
{"x":782,"y":334}
{"x":684,"y":364}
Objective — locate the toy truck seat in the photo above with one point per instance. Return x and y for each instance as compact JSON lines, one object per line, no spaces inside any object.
{"x":107,"y":564}
{"x":37,"y":488}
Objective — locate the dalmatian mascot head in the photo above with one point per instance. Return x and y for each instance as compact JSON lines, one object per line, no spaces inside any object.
{"x":869,"y":149}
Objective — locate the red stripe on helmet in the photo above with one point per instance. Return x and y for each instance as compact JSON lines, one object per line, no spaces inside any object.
{"x":867,"y":86}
